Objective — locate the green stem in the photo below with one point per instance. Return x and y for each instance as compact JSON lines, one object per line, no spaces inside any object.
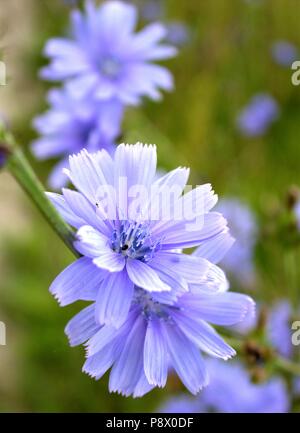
{"x":19,"y":167}
{"x":287,"y":365}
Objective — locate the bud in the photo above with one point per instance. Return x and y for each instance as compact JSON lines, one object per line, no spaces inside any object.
{"x":292,"y":196}
{"x":255,"y":353}
{"x":3,"y":156}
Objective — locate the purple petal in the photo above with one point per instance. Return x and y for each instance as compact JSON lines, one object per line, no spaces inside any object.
{"x":186,"y":360}
{"x":79,"y":281}
{"x":90,"y":242}
{"x":128,"y":368}
{"x":81,"y":207}
{"x":221,"y":309}
{"x":155,"y":355}
{"x":109,"y":260}
{"x":203,"y":335}
{"x":192,"y":269}
{"x":144,"y":276}
{"x":82,"y":326}
{"x":114,"y":299}
{"x":64,"y":209}
{"x":216,"y":248}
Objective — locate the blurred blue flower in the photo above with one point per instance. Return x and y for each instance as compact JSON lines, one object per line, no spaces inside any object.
{"x":258,"y":115}
{"x":284,"y":53}
{"x":182,"y":404}
{"x":279,"y":328}
{"x":107,"y":59}
{"x":70,"y":126}
{"x":178,"y":33}
{"x":231,"y":390}
{"x":239,"y":260}
{"x":152,"y":302}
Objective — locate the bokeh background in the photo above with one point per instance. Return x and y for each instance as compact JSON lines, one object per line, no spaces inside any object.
{"x":225,"y":58}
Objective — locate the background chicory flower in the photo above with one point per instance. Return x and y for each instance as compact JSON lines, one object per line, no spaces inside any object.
{"x":284,"y":53}
{"x":107,"y":59}
{"x":72,"y":125}
{"x":255,"y":119}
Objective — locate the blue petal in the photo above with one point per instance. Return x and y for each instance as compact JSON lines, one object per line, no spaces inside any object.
{"x":155,"y":355}
{"x":145,"y":277}
{"x":186,"y":360}
{"x":86,"y":173}
{"x":221,"y":308}
{"x":109,"y":260}
{"x":64,"y":209}
{"x":114,"y":299}
{"x":203,"y":335}
{"x":81,"y":207}
{"x":216,"y":248}
{"x":142,"y":387}
{"x":191,"y":269}
{"x":79,"y":281}
{"x":82,"y":327}
{"x":90,"y":242}
{"x":179,"y":235}
{"x":128,"y":368}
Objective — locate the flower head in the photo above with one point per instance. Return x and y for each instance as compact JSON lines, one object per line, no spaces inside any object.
{"x":151,"y":301}
{"x":159,"y":335}
{"x":107,"y":59}
{"x":70,"y":126}
{"x":258,"y":115}
{"x":128,"y":241}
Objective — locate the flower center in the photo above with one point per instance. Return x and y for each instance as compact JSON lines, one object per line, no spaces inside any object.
{"x":110,"y":67}
{"x":132,"y":239}
{"x":150,"y":308}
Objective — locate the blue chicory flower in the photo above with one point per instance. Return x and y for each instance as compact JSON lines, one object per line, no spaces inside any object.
{"x":151,"y":301}
{"x":284,"y":53}
{"x":107,"y":59}
{"x":72,"y":125}
{"x":239,"y":260}
{"x":231,"y":391}
{"x":258,"y":115}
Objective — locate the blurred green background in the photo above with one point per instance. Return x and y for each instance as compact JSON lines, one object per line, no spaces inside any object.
{"x":226,"y":61}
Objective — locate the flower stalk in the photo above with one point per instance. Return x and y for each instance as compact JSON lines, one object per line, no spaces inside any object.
{"x":18,"y":165}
